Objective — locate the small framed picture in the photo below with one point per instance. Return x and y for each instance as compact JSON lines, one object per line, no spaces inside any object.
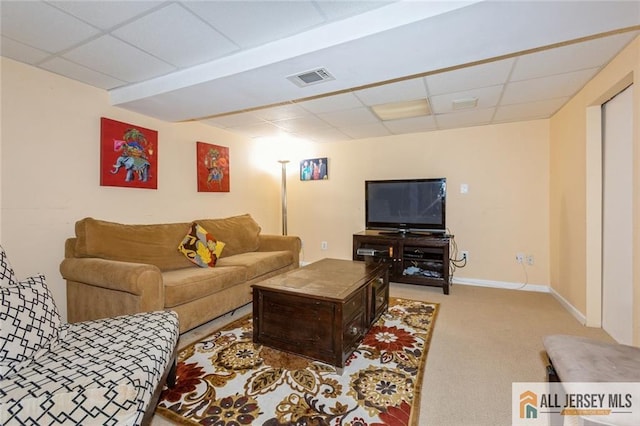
{"x":314,"y":169}
{"x":212,"y":167}
{"x":128,"y":155}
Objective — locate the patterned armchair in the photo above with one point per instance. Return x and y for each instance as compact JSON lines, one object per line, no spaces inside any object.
{"x":108,"y":371}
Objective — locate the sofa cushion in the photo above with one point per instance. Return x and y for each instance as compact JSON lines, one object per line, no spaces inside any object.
{"x":240,"y":233}
{"x":116,"y":403}
{"x":184,"y":285}
{"x":100,"y":361}
{"x":152,"y":244}
{"x":30,"y":324}
{"x":7,"y":277}
{"x":200,"y":247}
{"x":259,"y":263}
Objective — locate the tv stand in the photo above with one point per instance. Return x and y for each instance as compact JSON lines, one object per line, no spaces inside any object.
{"x":405,"y":233}
{"x":413,"y":258}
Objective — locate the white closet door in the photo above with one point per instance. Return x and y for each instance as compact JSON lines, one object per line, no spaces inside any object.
{"x":617,"y":243}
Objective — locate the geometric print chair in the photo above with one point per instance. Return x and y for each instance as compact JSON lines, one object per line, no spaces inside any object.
{"x":104,"y":372}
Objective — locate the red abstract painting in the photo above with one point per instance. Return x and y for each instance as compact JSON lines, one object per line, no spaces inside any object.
{"x":212,"y":165}
{"x":128,"y":155}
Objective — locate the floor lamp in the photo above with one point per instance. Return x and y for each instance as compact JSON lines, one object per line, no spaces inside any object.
{"x":284,"y":195}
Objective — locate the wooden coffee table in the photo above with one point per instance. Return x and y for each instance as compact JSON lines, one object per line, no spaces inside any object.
{"x":322,"y":310}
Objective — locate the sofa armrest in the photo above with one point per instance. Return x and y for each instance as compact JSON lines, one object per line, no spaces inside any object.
{"x":134,"y":278}
{"x":282,"y":242}
{"x":70,"y":248}
{"x":98,"y":288}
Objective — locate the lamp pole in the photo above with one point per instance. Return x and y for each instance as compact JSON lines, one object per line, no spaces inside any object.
{"x":284,"y":195}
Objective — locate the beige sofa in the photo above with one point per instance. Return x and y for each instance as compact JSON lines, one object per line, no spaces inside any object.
{"x":116,"y":269}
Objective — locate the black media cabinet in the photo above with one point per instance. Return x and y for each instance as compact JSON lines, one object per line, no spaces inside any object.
{"x":413,"y":258}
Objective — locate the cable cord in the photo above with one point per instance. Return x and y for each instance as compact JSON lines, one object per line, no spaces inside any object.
{"x":526,"y":277}
{"x":454,"y":262}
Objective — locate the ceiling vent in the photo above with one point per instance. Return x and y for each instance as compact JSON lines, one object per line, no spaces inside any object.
{"x":464,"y":103}
{"x":308,"y":78}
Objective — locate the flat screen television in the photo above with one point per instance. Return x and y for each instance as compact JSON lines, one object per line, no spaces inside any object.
{"x":406,"y":205}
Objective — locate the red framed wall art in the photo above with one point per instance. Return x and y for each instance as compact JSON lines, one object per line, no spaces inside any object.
{"x":212,"y":166}
{"x":128,"y":155}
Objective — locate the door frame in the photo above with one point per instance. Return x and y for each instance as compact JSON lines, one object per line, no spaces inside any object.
{"x":594,"y":148}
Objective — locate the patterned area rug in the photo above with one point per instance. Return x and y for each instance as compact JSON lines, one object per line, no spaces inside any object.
{"x":225,"y":379}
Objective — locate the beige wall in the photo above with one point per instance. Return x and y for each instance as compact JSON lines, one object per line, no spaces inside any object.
{"x":50,"y":179}
{"x":575,"y":197}
{"x":505,"y":211}
{"x":50,"y":171}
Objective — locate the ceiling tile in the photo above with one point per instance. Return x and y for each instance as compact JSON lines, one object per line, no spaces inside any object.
{"x":176,"y":36}
{"x":487,"y":97}
{"x":338,"y":102}
{"x":407,"y":90}
{"x":118,"y":59}
{"x":40,"y":25}
{"x":349,"y":117}
{"x":106,"y":14}
{"x":589,"y":54}
{"x":371,"y":130}
{"x":334,"y":10}
{"x":465,"y":118}
{"x":301,"y":124}
{"x":78,"y":72}
{"x":21,"y":52}
{"x":328,"y":134}
{"x":411,"y":125}
{"x":234,"y":120}
{"x":267,"y":20}
{"x":266,"y":130}
{"x":555,"y":86}
{"x":530,"y":110}
{"x":489,"y":74}
{"x":281,"y":112}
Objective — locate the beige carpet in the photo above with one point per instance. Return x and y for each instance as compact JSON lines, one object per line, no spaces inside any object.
{"x":484,"y":340}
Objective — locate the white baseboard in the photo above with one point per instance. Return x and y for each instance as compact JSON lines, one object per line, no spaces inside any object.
{"x":569,"y":307}
{"x":501,"y":284}
{"x":525,"y":287}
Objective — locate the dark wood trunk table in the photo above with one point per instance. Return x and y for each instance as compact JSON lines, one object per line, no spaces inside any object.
{"x":322,"y":310}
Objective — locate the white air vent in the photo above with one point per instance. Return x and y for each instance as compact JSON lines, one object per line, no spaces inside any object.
{"x":311,"y":77}
{"x":464,"y":103}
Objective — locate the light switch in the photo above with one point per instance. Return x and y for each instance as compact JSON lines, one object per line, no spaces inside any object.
{"x":464,"y":188}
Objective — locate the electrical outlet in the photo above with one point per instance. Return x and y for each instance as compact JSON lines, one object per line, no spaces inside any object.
{"x":519,"y":257}
{"x":465,"y":255}
{"x":530,"y":260}
{"x":324,"y":245}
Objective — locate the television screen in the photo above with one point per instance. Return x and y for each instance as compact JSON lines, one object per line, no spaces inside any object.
{"x":406,"y":205}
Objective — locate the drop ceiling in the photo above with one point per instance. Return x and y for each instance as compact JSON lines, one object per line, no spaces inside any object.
{"x":233,"y":64}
